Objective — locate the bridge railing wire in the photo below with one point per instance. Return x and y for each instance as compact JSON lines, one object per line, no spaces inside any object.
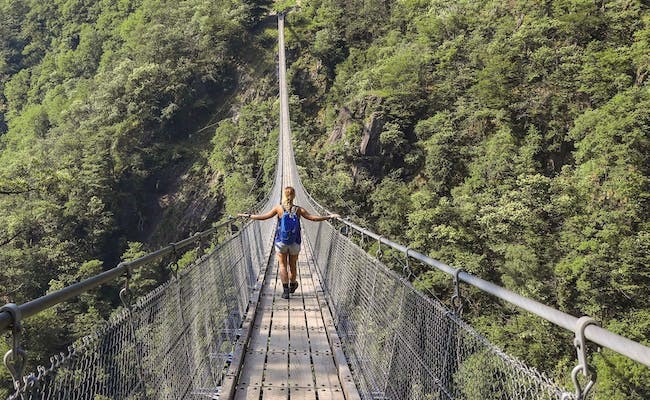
{"x":405,"y":345}
{"x":338,"y":254}
{"x":172,"y":343}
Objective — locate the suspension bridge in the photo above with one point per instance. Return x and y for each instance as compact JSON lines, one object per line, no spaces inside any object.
{"x":354,"y":329}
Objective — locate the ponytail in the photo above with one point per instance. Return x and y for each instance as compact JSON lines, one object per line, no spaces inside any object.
{"x":288,"y":194}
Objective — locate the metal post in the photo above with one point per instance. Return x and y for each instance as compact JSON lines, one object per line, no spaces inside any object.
{"x":457,"y":299}
{"x":580,"y":344}
{"x":16,"y":358}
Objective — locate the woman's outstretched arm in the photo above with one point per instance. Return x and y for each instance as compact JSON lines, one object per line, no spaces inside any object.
{"x":260,"y":217}
{"x":303,"y":213}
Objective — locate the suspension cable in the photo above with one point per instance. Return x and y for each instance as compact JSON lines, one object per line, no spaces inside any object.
{"x":42,"y":303}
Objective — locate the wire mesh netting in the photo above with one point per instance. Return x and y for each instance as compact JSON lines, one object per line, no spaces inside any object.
{"x":175,"y":342}
{"x":405,"y":345}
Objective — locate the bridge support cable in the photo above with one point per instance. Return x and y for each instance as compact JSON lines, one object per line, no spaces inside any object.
{"x":172,"y":343}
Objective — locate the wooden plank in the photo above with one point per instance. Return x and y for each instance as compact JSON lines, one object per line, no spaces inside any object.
{"x":253,"y":369}
{"x":265,"y":319}
{"x":330,"y":394}
{"x":259,"y":340}
{"x":318,"y":341}
{"x":300,"y":374}
{"x":279,"y":339}
{"x":277,"y":286}
{"x":309,"y":298}
{"x":298,"y":340}
{"x":266,"y":303}
{"x":270,"y":280}
{"x":307,"y":281}
{"x":314,"y":320}
{"x":281,"y":318}
{"x":297,"y":319}
{"x":275,"y":393}
{"x":276,"y":371}
{"x":325,"y":372}
{"x":247,"y":392}
{"x":298,"y":393}
{"x":311,"y":303}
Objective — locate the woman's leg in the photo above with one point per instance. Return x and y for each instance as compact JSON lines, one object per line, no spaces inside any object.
{"x":293,"y":261}
{"x":282,"y":259}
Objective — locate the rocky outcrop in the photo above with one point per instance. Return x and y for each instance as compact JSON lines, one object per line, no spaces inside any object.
{"x":367,"y":111}
{"x":343,"y":121}
{"x":371,"y":129}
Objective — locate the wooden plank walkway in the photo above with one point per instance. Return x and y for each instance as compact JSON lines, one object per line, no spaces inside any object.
{"x":289,"y":354}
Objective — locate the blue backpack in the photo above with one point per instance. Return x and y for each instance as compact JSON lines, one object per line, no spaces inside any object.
{"x":289,"y":227}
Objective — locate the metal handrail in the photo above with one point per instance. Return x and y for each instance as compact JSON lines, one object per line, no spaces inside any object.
{"x":620,"y":344}
{"x":44,"y":302}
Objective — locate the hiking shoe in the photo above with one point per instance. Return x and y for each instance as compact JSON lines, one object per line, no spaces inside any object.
{"x":285,"y":290}
{"x":293,"y":287}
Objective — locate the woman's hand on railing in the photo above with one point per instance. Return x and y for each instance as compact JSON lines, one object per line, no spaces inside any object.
{"x":334,"y":216}
{"x":244,"y":215}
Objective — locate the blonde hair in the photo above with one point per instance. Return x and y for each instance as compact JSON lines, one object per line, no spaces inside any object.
{"x":288,"y":194}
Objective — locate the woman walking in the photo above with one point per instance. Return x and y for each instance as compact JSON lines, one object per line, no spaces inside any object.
{"x":287,"y":236}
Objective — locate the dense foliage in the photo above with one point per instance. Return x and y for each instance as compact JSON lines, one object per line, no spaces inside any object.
{"x":507,"y":138}
{"x":107,"y":110}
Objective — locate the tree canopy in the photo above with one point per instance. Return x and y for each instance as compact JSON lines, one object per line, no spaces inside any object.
{"x":506,"y":138}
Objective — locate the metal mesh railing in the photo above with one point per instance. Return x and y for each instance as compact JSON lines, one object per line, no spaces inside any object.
{"x":175,"y":342}
{"x":404,"y":345}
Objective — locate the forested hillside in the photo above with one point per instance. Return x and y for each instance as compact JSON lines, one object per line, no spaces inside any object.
{"x":510,"y":139}
{"x":123,"y":126}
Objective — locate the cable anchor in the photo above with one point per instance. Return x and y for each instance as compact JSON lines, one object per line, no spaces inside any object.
{"x":345,"y":229}
{"x":457,"y":298}
{"x":173,"y":266}
{"x":580,"y":344}
{"x":379,"y":252}
{"x":126,"y":295}
{"x":16,"y":358}
{"x":406,"y":268}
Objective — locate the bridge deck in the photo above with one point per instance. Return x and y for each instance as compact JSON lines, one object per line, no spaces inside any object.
{"x":290,"y":350}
